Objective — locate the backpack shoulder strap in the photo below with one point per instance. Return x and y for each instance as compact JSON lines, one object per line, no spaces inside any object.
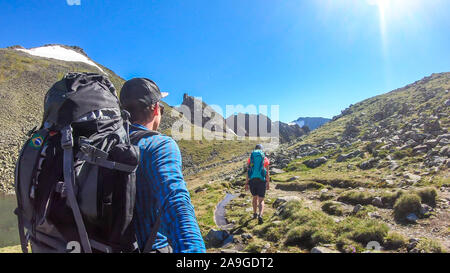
{"x":135,"y":136}
{"x":139,"y":134}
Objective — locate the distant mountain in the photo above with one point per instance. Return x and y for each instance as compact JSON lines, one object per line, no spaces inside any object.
{"x":312,"y":122}
{"x":261,"y":126}
{"x":202,"y":115}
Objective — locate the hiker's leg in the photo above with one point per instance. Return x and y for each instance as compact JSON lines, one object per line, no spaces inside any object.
{"x":261,"y":205}
{"x":255,"y":203}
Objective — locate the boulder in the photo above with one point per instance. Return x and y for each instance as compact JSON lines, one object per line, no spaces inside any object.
{"x":229,"y":251}
{"x":431,"y":143}
{"x":425,"y":209}
{"x":445,"y":151}
{"x":216,"y":238}
{"x":322,"y":249}
{"x":377,"y":202}
{"x":357,"y":208}
{"x":444,"y":136}
{"x":418,"y":137}
{"x":374,"y":215}
{"x":293,"y":178}
{"x":344,"y":157}
{"x":369,"y":164}
{"x":351,"y":130}
{"x":284,"y":199}
{"x":314,"y":163}
{"x":447,"y":102}
{"x":393,"y":165}
{"x":412,"y":243}
{"x":421,"y":149}
{"x":273,"y":171}
{"x":432,"y":127}
{"x":412,"y":178}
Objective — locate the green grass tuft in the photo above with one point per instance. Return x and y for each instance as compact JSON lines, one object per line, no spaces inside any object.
{"x":394,"y":240}
{"x":333,"y":208}
{"x":406,"y":204}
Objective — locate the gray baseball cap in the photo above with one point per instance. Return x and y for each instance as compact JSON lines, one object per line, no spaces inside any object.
{"x":142,"y":90}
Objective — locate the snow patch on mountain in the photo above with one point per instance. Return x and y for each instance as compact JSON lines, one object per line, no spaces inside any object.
{"x":59,"y":53}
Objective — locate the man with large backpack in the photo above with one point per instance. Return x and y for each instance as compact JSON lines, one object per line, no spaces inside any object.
{"x":258,"y":180}
{"x":162,"y":200}
{"x":75,"y":177}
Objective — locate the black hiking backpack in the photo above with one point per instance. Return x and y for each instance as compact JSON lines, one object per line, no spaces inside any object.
{"x":75,"y":176}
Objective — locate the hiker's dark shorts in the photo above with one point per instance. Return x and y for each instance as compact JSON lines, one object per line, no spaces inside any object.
{"x":257,"y":187}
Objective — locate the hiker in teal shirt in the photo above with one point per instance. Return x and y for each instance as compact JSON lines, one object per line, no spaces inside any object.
{"x":258,"y":180}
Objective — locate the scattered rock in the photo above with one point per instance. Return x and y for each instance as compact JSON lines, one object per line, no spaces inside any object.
{"x":421,"y":149}
{"x":344,"y":157}
{"x":285,"y":199}
{"x":447,"y":102}
{"x":431,"y":143}
{"x":216,"y":238}
{"x":369,"y":164}
{"x":314,"y":163}
{"x":445,"y":151}
{"x":374,"y":215}
{"x":275,"y":171}
{"x":425,"y":209}
{"x":229,"y":251}
{"x":322,"y":249}
{"x":432,"y":126}
{"x":357,"y":208}
{"x":412,"y":178}
{"x":412,"y":244}
{"x":377,"y":201}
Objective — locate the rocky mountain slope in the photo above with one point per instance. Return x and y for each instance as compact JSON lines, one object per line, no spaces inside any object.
{"x":312,"y":122}
{"x":376,"y":175}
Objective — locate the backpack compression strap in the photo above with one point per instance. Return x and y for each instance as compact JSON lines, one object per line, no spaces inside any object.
{"x":69,"y":178}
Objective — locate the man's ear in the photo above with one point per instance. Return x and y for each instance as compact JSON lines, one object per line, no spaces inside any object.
{"x":155,"y":110}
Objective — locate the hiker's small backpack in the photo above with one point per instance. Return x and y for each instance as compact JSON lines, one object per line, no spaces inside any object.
{"x":256,"y":168}
{"x":75,"y":177}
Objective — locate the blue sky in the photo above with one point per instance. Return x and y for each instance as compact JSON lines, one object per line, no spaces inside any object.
{"x":311,"y":57}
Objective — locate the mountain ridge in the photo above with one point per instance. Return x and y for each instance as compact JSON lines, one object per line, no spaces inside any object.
{"x":312,"y":122}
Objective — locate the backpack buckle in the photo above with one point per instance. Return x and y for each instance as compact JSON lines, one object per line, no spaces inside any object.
{"x":92,"y":152}
{"x":61,"y":189}
{"x":66,"y":137}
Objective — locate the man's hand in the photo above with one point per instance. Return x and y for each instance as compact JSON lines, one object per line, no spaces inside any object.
{"x":246,"y":186}
{"x":267,"y":185}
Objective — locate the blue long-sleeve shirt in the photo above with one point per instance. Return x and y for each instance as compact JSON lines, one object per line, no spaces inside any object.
{"x":159,"y":180}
